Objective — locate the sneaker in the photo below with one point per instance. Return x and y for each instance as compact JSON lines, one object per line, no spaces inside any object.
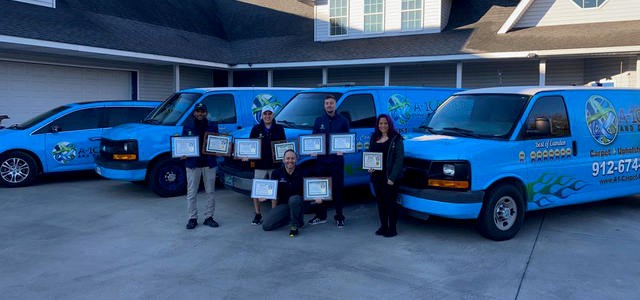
{"x":381,"y":231}
{"x":340,"y":223}
{"x":316,"y":221}
{"x":257,"y":220}
{"x":210,"y":222}
{"x":293,"y":232}
{"x":192,"y":223}
{"x":390,"y":233}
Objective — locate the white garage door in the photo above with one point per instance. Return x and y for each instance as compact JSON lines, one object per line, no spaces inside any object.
{"x":27,"y":89}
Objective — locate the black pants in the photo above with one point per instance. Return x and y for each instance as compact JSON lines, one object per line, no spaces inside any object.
{"x":286,"y":213}
{"x":336,"y":172}
{"x":386,"y":196}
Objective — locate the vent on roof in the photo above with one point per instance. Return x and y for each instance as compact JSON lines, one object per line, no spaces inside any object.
{"x":47,"y":3}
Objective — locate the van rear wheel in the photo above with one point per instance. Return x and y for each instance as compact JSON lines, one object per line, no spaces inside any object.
{"x":168,"y":178}
{"x":502,"y":213}
{"x":17,"y":169}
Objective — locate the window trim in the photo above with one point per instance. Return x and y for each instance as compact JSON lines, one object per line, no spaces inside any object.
{"x":346,"y":25}
{"x":595,"y":7}
{"x":381,"y":13}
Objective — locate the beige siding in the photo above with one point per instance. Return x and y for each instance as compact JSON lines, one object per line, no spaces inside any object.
{"x":622,"y":71}
{"x":297,"y":78}
{"x":477,"y":75}
{"x":155,"y":82}
{"x":358,"y":76}
{"x":560,"y":12}
{"x":195,"y":77}
{"x":565,"y":72}
{"x":440,"y":75}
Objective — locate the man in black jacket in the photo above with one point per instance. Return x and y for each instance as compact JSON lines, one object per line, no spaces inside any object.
{"x":267,"y":131}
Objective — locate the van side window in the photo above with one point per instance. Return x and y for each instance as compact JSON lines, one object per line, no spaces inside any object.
{"x":221,"y":107}
{"x":77,"y":120}
{"x":121,"y":115}
{"x":547,"y":119}
{"x":359,"y":110}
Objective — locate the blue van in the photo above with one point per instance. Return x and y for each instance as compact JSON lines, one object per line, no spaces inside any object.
{"x":493,"y":154}
{"x":63,"y":139}
{"x":409,"y":107}
{"x":141,"y":152}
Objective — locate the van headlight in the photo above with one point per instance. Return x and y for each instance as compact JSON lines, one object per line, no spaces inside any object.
{"x":450,"y":175}
{"x":449,"y":170}
{"x":127,"y":150}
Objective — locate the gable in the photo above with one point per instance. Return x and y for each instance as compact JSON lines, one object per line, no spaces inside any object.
{"x":565,"y":12}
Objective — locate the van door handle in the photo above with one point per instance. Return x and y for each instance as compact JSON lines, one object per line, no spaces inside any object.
{"x":574,"y":145}
{"x":239,"y":127}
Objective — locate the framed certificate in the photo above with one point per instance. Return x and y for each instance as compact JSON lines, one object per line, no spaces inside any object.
{"x":185,"y":146}
{"x":312,"y":143}
{"x":317,"y":188}
{"x":217,"y":144}
{"x":372,"y":160}
{"x":264,"y":188}
{"x":279,"y":147}
{"x":342,"y":142}
{"x":249,"y":148}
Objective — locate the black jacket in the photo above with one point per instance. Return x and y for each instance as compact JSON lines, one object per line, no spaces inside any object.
{"x":275,"y":133}
{"x":203,"y":160}
{"x":395,"y":158}
{"x":328,"y":125}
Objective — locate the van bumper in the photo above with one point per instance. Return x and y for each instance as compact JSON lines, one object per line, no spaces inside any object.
{"x":126,"y":175}
{"x":236,"y":180}
{"x":449,"y":204}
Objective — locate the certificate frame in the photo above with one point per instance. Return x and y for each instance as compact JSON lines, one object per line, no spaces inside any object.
{"x":185,"y":146}
{"x":313,"y":190}
{"x":247,"y":148}
{"x":372,"y":160}
{"x":264,"y":188}
{"x":317,"y":141}
{"x":210,"y":148}
{"x":279,"y":147}
{"x":335,"y":147}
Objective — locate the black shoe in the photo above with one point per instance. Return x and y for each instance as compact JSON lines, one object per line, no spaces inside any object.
{"x":192,"y":223}
{"x":293,"y":232}
{"x":381,"y":231}
{"x":210,"y":222}
{"x":316,"y":221}
{"x":257,"y":220}
{"x":390,"y":233}
{"x":340,"y":223}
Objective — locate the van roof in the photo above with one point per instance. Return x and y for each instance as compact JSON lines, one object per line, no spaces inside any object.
{"x":532,"y":90}
{"x":344,"y":89}
{"x":225,"y":89}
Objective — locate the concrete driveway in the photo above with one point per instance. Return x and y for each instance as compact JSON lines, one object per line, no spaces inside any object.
{"x":80,"y":237}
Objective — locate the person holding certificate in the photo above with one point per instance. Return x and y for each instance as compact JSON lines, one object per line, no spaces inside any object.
{"x":386,"y":140}
{"x":331,"y":165}
{"x":267,"y":131}
{"x":200,"y":166}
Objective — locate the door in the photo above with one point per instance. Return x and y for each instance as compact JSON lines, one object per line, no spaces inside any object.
{"x":360,"y":110}
{"x":72,"y":141}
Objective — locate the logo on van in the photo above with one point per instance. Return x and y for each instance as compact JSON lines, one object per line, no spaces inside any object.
{"x":399,"y":108}
{"x":64,"y":152}
{"x":261,"y":100}
{"x":601,"y":119}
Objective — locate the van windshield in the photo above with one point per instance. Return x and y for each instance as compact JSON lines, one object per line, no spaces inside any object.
{"x":492,"y":116}
{"x":172,"y":109}
{"x":303,"y":109}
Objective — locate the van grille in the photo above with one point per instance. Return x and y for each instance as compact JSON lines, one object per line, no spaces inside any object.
{"x":416,"y":173}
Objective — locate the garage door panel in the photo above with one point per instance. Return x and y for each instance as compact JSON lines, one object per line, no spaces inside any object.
{"x":27,"y":89}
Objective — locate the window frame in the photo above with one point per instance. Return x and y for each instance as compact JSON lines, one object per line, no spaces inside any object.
{"x":420,"y":13}
{"x":599,"y":4}
{"x":370,"y":14}
{"x":345,"y":25}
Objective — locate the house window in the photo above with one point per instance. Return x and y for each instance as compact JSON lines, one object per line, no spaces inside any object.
{"x":411,"y":15}
{"x":589,"y":3}
{"x":338,"y":20}
{"x":373,"y":15}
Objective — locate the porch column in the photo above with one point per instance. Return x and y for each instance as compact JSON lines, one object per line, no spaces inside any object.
{"x":543,"y":72}
{"x":459,"y":75}
{"x":387,"y":74}
{"x":176,"y":78}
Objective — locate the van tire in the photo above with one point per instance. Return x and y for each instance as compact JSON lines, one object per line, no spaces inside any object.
{"x":17,"y":169}
{"x":502,"y":213}
{"x":168,"y":178}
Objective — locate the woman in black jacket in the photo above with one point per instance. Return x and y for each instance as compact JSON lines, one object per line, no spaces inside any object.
{"x":389,"y":142}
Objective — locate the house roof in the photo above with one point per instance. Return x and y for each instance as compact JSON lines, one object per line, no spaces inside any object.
{"x":270,"y":33}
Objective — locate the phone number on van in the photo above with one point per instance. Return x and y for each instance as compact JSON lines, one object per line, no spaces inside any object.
{"x":610,"y":167}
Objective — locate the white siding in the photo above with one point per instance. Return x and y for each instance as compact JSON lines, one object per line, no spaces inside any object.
{"x":621,"y":70}
{"x":561,"y":12}
{"x":359,"y":76}
{"x":195,"y":77}
{"x":565,"y":72}
{"x":478,"y":75}
{"x":297,"y":78}
{"x":432,"y":16}
{"x":155,"y":82}
{"x":435,"y":75}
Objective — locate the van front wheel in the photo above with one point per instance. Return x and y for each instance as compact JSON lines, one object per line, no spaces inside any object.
{"x":168,"y":178}
{"x":502,"y":214}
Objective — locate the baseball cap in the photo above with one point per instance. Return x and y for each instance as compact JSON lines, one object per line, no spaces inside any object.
{"x":267,"y":108}
{"x":200,"y":106}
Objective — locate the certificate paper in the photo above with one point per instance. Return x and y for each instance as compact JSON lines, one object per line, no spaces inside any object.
{"x":317,"y":188}
{"x":263,"y":188}
{"x":372,"y":160}
{"x":279,"y":147}
{"x":217,"y":144}
{"x":249,"y":148}
{"x":312,"y":143}
{"x":184,"y":146}
{"x":344,"y":142}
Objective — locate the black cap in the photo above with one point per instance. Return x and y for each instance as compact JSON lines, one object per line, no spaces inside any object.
{"x":200,"y":106}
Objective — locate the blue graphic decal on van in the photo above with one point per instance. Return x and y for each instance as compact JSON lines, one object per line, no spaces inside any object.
{"x":549,"y":188}
{"x":261,"y":100}
{"x":64,"y":152}
{"x":399,"y":108}
{"x":601,"y":120}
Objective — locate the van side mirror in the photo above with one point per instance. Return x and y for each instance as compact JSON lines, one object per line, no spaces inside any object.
{"x":542,"y":127}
